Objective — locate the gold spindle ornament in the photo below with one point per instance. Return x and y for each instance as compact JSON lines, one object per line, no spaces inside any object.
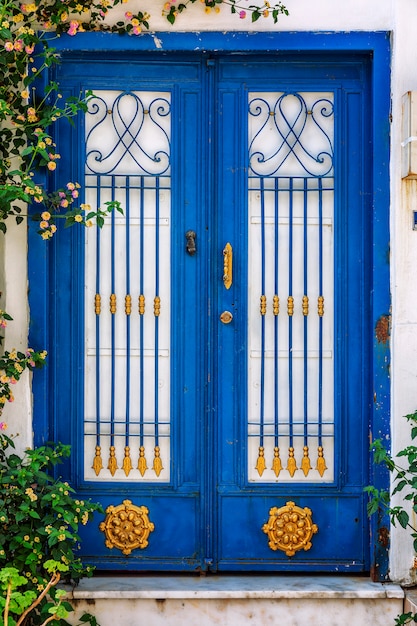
{"x":97,"y":304}
{"x":128,"y":304}
{"x":305,"y":305}
{"x":113,"y":303}
{"x":157,"y":306}
{"x":276,"y":463}
{"x":290,"y":306}
{"x":320,"y":306}
{"x":291,"y":463}
{"x":321,"y":463}
{"x":112,"y":466}
{"x":141,"y":304}
{"x":305,"y":463}
{"x":98,"y":461}
{"x":142,"y":465}
{"x":262,"y":306}
{"x":275,"y":305}
{"x":157,"y":462}
{"x":127,"y":462}
{"x":260,"y":463}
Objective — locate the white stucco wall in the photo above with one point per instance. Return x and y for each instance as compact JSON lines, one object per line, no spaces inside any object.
{"x":397,"y":16}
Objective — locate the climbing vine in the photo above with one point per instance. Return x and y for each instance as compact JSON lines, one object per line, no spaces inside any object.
{"x":28,"y":154}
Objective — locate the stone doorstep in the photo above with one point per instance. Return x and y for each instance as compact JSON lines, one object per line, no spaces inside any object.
{"x":236,"y":587}
{"x":410,"y":600}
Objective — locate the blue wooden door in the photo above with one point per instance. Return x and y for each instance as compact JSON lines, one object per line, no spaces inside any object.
{"x":210,"y":346}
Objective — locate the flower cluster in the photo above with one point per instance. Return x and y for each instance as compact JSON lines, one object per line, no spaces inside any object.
{"x":12,"y":366}
{"x":173,"y":7}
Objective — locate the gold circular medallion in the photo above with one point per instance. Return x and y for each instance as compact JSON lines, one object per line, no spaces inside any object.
{"x":127,"y":527}
{"x":290,"y":528}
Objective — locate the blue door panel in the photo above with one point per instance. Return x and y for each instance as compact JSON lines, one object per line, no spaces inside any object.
{"x":340,"y":540}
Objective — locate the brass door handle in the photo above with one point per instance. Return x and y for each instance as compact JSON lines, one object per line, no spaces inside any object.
{"x":227,"y":265}
{"x":226,"y":317}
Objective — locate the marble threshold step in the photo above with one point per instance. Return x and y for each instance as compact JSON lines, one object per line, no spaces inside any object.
{"x":236,"y":600}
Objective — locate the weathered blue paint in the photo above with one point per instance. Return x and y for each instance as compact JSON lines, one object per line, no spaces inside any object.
{"x":216,"y":525}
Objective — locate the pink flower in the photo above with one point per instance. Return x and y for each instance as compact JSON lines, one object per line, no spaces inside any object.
{"x":61,"y":194}
{"x":136,"y":30}
{"x":3,"y":323}
{"x":29,"y":49}
{"x":128,"y":15}
{"x":74,"y":193}
{"x":242,"y":15}
{"x":64,"y":203}
{"x":74,"y":25}
{"x":8,"y":46}
{"x":3,"y":425}
{"x":18,"y":45}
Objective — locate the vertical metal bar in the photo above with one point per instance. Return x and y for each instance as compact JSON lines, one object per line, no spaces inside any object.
{"x":142,"y":465}
{"x":291,"y":465}
{"x":127,"y":463}
{"x":112,"y":465}
{"x":305,"y":463}
{"x":321,"y":463}
{"x":260,"y":464}
{"x":276,"y":464}
{"x":97,"y":462}
{"x":157,"y":463}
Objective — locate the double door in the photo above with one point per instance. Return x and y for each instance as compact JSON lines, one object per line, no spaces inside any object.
{"x":216,"y":398}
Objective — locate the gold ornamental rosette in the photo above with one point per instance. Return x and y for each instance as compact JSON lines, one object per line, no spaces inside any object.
{"x":127,"y":527}
{"x":290,"y":528}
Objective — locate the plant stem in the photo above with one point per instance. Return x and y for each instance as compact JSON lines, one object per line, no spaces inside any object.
{"x":6,"y":606}
{"x":54,"y":580}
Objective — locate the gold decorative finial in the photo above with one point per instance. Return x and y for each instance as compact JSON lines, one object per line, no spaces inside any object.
{"x":291,"y":463}
{"x":260,"y":463}
{"x":157,"y":306}
{"x":128,"y":304}
{"x":97,"y":304}
{"x":305,"y":305}
{"x":305,"y":463}
{"x":113,"y":303}
{"x":290,"y":306}
{"x":112,"y":466}
{"x":157,"y":462}
{"x":262,"y":306}
{"x":275,"y":305}
{"x":98,"y":462}
{"x":320,"y":306}
{"x":141,"y":304}
{"x":127,"y":462}
{"x":276,"y":463}
{"x":321,"y":463}
{"x":142,"y":465}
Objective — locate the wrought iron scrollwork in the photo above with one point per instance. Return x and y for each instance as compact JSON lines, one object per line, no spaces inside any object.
{"x":127,"y":123}
{"x":301,"y":142}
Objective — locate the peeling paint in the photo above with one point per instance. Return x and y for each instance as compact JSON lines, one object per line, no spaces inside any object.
{"x":382,"y":329}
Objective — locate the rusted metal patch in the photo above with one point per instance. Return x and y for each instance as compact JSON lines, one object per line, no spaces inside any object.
{"x":382,"y":329}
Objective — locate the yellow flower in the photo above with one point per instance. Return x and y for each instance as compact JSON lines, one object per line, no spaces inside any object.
{"x":78,"y":218}
{"x":46,"y":215}
{"x":51,"y":165}
{"x":44,"y":224}
{"x":26,"y":538}
{"x":135,"y":22}
{"x":25,"y":94}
